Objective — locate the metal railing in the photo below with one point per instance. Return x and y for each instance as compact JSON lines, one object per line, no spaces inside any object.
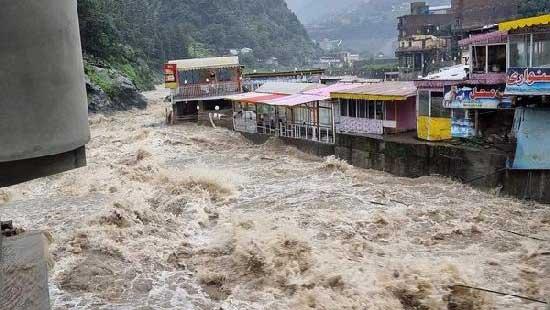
{"x":207,"y":90}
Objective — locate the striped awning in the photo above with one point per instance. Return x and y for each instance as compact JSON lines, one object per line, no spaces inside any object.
{"x":524,"y":22}
{"x":386,"y":91}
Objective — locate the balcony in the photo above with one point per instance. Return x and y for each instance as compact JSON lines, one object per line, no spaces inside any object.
{"x":199,"y":91}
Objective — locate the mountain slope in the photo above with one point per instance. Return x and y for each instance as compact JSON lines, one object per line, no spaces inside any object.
{"x":135,"y":37}
{"x":363,"y":25}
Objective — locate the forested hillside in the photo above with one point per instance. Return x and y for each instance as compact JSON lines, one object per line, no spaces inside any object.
{"x":137,"y":36}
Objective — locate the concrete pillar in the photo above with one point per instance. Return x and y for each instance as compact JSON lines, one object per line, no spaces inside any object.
{"x":43,"y":104}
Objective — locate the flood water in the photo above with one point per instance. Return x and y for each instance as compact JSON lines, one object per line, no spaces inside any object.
{"x":189,"y":217}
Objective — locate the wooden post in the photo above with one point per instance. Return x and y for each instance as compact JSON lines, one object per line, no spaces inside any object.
{"x":318,"y":122}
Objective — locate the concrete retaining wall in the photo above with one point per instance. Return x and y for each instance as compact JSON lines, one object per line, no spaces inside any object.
{"x":409,"y":158}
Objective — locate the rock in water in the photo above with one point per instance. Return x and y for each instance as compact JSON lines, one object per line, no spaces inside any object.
{"x":127,"y":95}
{"x":98,"y":100}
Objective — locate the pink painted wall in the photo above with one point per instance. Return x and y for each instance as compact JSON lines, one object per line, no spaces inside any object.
{"x":406,"y":115}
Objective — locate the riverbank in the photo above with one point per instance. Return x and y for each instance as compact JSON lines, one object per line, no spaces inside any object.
{"x":191,"y":217}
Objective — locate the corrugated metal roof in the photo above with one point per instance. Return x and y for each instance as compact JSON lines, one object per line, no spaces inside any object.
{"x":294,"y":100}
{"x":264,"y":98}
{"x":453,"y":73}
{"x":388,"y":91}
{"x":486,"y":38}
{"x":287,"y":88}
{"x":325,"y":91}
{"x":242,"y":96}
{"x":205,"y":63}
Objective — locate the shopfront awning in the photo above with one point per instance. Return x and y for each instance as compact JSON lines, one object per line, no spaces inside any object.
{"x":524,"y":22}
{"x":386,"y":91}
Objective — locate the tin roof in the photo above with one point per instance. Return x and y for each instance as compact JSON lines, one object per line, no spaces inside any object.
{"x":485,"y":38}
{"x":524,"y":22}
{"x":242,"y":96}
{"x":206,"y":63}
{"x":325,"y":91}
{"x":385,"y":91}
{"x":264,"y":98}
{"x":453,"y":73}
{"x":286,"y":88}
{"x":294,"y":100}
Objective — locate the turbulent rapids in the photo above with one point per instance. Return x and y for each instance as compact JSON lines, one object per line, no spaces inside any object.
{"x":189,"y":217}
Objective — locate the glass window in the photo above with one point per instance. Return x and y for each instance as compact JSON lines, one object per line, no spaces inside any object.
{"x":519,"y":50}
{"x":352,"y":108}
{"x":541,"y":50}
{"x":343,"y":107}
{"x":371,"y":109}
{"x":225,"y":75}
{"x":379,"y":110}
{"x":479,"y":58}
{"x":424,"y":103}
{"x":497,"y":58}
{"x":362,"y":108}
{"x":437,"y":109}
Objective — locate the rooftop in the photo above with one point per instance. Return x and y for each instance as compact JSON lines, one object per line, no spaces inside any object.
{"x":286,"y":88}
{"x":206,"y":63}
{"x":386,"y":91}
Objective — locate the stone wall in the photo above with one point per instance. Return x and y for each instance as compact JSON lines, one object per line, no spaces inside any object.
{"x":403,"y":156}
{"x":479,"y":167}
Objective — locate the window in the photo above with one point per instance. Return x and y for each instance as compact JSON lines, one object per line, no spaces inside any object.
{"x":496,"y":58}
{"x":436,"y":105}
{"x":379,"y":110}
{"x":362,"y":109}
{"x":371,"y":109}
{"x":541,"y":50}
{"x":225,"y":75}
{"x":352,"y":108}
{"x":344,"y":107}
{"x":424,"y":103}
{"x":519,"y":50}
{"x":479,"y":58}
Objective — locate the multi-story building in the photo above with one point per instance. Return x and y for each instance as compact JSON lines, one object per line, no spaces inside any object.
{"x":200,"y":84}
{"x":424,"y":40}
{"x":428,"y":36}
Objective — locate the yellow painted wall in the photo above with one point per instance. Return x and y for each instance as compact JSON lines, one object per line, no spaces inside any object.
{"x":434,"y":128}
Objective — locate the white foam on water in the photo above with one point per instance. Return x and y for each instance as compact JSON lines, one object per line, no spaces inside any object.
{"x":189,"y":217}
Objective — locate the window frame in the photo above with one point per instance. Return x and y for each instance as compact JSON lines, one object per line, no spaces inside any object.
{"x":531,"y":49}
{"x":486,"y":46}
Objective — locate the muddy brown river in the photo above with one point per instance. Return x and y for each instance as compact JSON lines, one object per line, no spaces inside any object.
{"x":190,"y":217}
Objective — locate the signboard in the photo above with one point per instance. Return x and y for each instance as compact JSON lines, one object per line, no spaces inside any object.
{"x":528,"y":81}
{"x":170,"y":76}
{"x":478,"y":97}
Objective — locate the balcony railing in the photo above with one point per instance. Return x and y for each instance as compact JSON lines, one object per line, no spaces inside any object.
{"x":207,"y":90}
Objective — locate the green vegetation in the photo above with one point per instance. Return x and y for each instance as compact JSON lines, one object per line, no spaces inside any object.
{"x":137,"y":36}
{"x":528,"y":8}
